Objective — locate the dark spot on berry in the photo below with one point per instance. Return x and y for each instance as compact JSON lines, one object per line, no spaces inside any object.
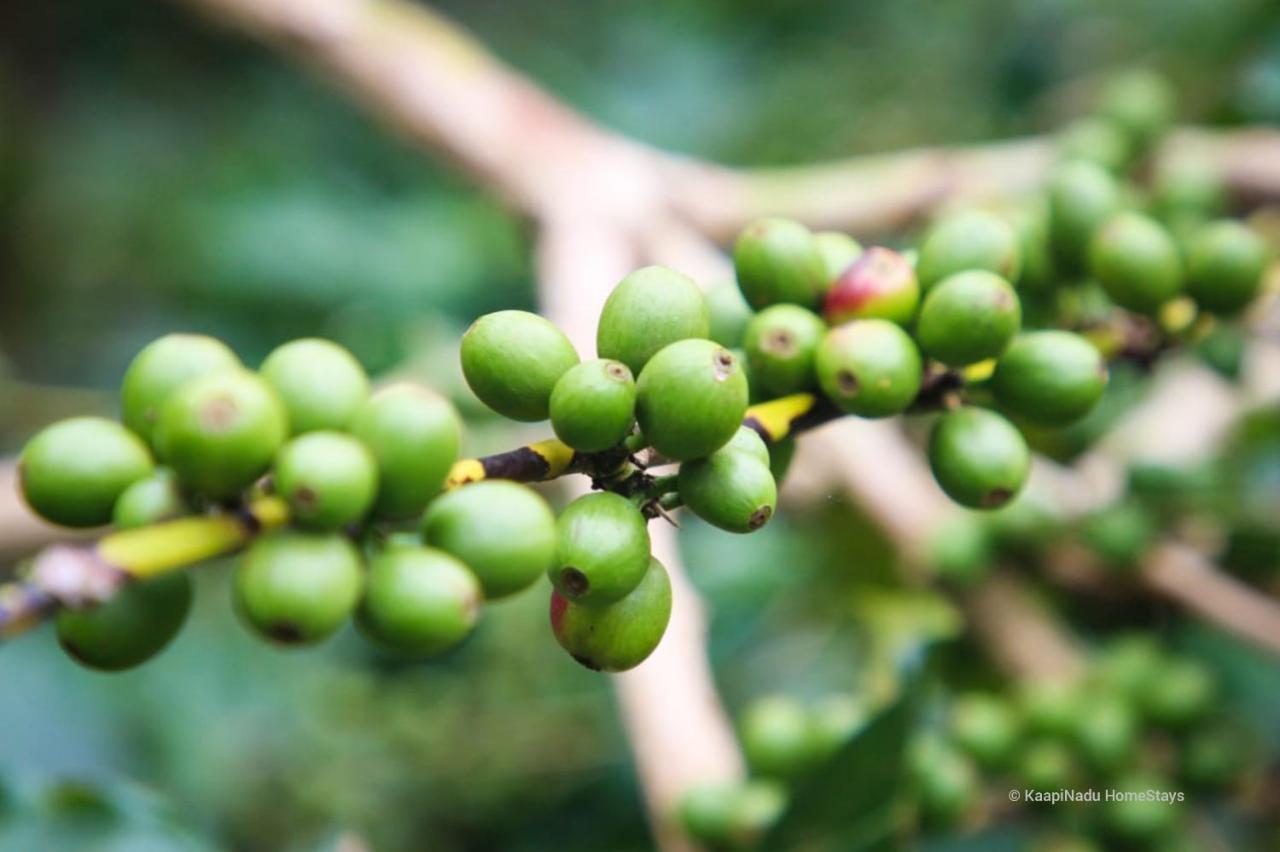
{"x":305,"y":496}
{"x":574,"y":582}
{"x":588,"y":662}
{"x":996,"y":497}
{"x":285,"y":632}
{"x":219,"y":414}
{"x":724,"y":364}
{"x":779,"y":342}
{"x":617,"y":371}
{"x":760,"y":517}
{"x":847,"y":382}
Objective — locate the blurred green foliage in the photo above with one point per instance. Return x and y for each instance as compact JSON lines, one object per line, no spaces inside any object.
{"x":158,"y":174}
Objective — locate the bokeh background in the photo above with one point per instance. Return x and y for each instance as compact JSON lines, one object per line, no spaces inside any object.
{"x":158,"y":174}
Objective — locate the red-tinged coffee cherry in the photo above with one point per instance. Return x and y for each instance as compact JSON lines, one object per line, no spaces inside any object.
{"x":593,"y":406}
{"x":1226,"y":262}
{"x":838,"y":252}
{"x":150,"y":500}
{"x":414,"y":435}
{"x":419,"y":601}
{"x":511,"y":361}
{"x":602,"y":549}
{"x":330,"y":479}
{"x":1136,"y":262}
{"x":131,"y":628}
{"x":870,"y":368}
{"x":980,"y":459}
{"x":729,"y":489}
{"x":221,"y":431}
{"x":1051,"y":378}
{"x":298,"y":588}
{"x":620,"y":635}
{"x":780,"y":343}
{"x":690,"y":399}
{"x":971,"y":239}
{"x":503,"y":531}
{"x":880,"y":284}
{"x":163,"y":366}
{"x":72,"y":472}
{"x":968,"y":317}
{"x":778,"y":261}
{"x":650,"y":309}
{"x":321,"y":384}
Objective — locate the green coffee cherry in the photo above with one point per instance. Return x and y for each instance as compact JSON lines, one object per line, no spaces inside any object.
{"x":650,"y":309}
{"x":1046,"y":766}
{"x":963,"y":549}
{"x":1140,"y":102}
{"x":946,"y":782}
{"x":968,"y":317}
{"x":1030,"y":221}
{"x":729,"y":489}
{"x":780,"y":342}
{"x":731,"y":816}
{"x":593,"y":406}
{"x":163,"y":366}
{"x":690,"y":399}
{"x":1213,"y":756}
{"x":129,"y":629}
{"x":779,"y":737}
{"x":1106,"y":733}
{"x":620,"y":635}
{"x":73,"y":471}
{"x":414,"y":435}
{"x":880,"y":284}
{"x":1050,"y":707}
{"x":1081,"y":197}
{"x":1226,"y":262}
{"x":978,"y":457}
{"x":150,"y":500}
{"x":602,"y":549}
{"x":972,"y":239}
{"x":780,"y":456}
{"x":778,"y":260}
{"x":1098,"y":141}
{"x":220,"y":432}
{"x":1182,"y":694}
{"x":1188,"y":194}
{"x":838,"y":252}
{"x":836,"y":719}
{"x":1051,"y":378}
{"x":418,"y":600}
{"x":298,"y":588}
{"x":748,"y":442}
{"x":729,"y":314}
{"x":321,"y":384}
{"x":985,"y":727}
{"x":869,"y":367}
{"x":504,"y":532}
{"x":329,"y":478}
{"x":1143,"y":821}
{"x":1136,"y":262}
{"x":1121,"y":533}
{"x":1130,"y":665}
{"x":512,"y":360}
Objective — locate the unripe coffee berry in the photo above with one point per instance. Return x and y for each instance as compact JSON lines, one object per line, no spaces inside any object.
{"x":220,"y":432}
{"x":593,"y":406}
{"x":650,"y":309}
{"x":602,"y":549}
{"x":512,"y":360}
{"x":1136,"y":819}
{"x":163,"y":366}
{"x":870,"y":368}
{"x":620,"y":635}
{"x":946,"y":782}
{"x":1046,"y":765}
{"x":780,"y":738}
{"x":968,"y":317}
{"x":330,"y":479}
{"x":298,"y":588}
{"x":1051,"y":378}
{"x":1183,"y":693}
{"x":879,"y":284}
{"x":780,"y":343}
{"x":1136,"y":262}
{"x":1226,"y":262}
{"x":131,"y":628}
{"x":980,"y":459}
{"x":321,"y":384}
{"x":1106,"y":733}
{"x":987,"y":728}
{"x":729,"y":489}
{"x":748,"y":442}
{"x":414,"y":435}
{"x":1140,"y":102}
{"x":1082,"y":196}
{"x":729,"y":314}
{"x":838,"y":252}
{"x":150,"y":500}
{"x":732,"y":816}
{"x":690,"y":399}
{"x":418,"y":600}
{"x":503,"y":531}
{"x":777,"y":261}
{"x":72,"y":472}
{"x":972,"y":239}
{"x":1098,"y":141}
